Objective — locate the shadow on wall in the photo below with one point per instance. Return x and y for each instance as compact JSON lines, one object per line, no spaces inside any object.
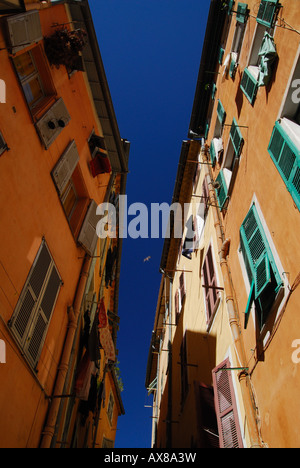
{"x":187,"y":412}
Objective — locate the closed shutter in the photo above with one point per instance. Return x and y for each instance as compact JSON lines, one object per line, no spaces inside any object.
{"x":34,"y":309}
{"x":225,"y":405}
{"x":221,"y":112}
{"x":241,"y":14}
{"x":88,"y":236}
{"x":53,"y":122}
{"x":23,"y":30}
{"x":209,"y":278}
{"x":222,"y":190}
{"x":65,"y":167}
{"x":286,"y":157}
{"x":249,"y":86}
{"x":236,"y":137}
{"x":266,"y":12}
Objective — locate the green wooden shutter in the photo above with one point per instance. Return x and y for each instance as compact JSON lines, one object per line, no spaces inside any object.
{"x":286,"y":157}
{"x":221,"y":55}
{"x":236,"y":137}
{"x":241,"y":14}
{"x":222,"y":190}
{"x":266,"y":12}
{"x":249,"y":303}
{"x":232,"y":68}
{"x":221,"y":112}
{"x":260,"y":264}
{"x":206,"y":130}
{"x":230,"y":6}
{"x":262,"y":275}
{"x":249,"y":86}
{"x":213,"y":92}
{"x":212,"y":152}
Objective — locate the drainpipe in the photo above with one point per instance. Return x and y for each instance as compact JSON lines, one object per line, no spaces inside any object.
{"x":74,"y":313}
{"x":244,"y":378}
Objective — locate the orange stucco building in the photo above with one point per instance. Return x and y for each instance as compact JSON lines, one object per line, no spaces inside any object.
{"x":61,"y":155}
{"x":245,"y":115}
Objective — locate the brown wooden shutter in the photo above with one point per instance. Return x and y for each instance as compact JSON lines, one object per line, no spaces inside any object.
{"x":23,"y":30}
{"x":88,"y":235}
{"x":209,"y":278}
{"x":226,"y":409}
{"x":65,"y":167}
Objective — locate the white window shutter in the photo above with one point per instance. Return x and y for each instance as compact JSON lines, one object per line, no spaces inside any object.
{"x":23,"y":30}
{"x":88,"y":236}
{"x":65,"y":167}
{"x":58,"y":117}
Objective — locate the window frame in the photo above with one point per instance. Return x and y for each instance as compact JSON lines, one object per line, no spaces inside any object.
{"x":43,"y":73}
{"x":211,"y":296}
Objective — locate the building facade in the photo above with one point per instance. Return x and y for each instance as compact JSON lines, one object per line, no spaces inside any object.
{"x":61,"y":156}
{"x":245,"y":118}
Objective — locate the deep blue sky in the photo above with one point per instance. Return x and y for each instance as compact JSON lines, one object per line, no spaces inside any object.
{"x":151,"y":51}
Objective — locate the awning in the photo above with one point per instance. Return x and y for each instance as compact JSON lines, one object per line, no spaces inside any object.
{"x":267,"y":55}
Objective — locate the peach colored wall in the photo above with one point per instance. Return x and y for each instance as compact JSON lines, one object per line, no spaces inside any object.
{"x":275,"y":376}
{"x":30,"y":209}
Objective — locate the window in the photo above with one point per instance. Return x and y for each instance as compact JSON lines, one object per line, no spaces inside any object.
{"x":34,"y":309}
{"x":79,"y":210}
{"x":110,"y":408}
{"x":221,"y":189}
{"x":285,"y":153}
{"x":241,"y":19}
{"x":284,"y":146}
{"x":267,"y":12}
{"x":261,"y":62}
{"x":180,"y":296}
{"x":100,"y":163}
{"x":231,"y":162}
{"x":261,"y":268}
{"x":226,"y":409}
{"x":209,"y":284}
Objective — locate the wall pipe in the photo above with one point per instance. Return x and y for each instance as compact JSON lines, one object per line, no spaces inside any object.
{"x":244,"y":378}
{"x":74,"y":314}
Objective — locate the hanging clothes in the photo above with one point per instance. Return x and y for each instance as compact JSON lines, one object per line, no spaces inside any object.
{"x":267,"y":55}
